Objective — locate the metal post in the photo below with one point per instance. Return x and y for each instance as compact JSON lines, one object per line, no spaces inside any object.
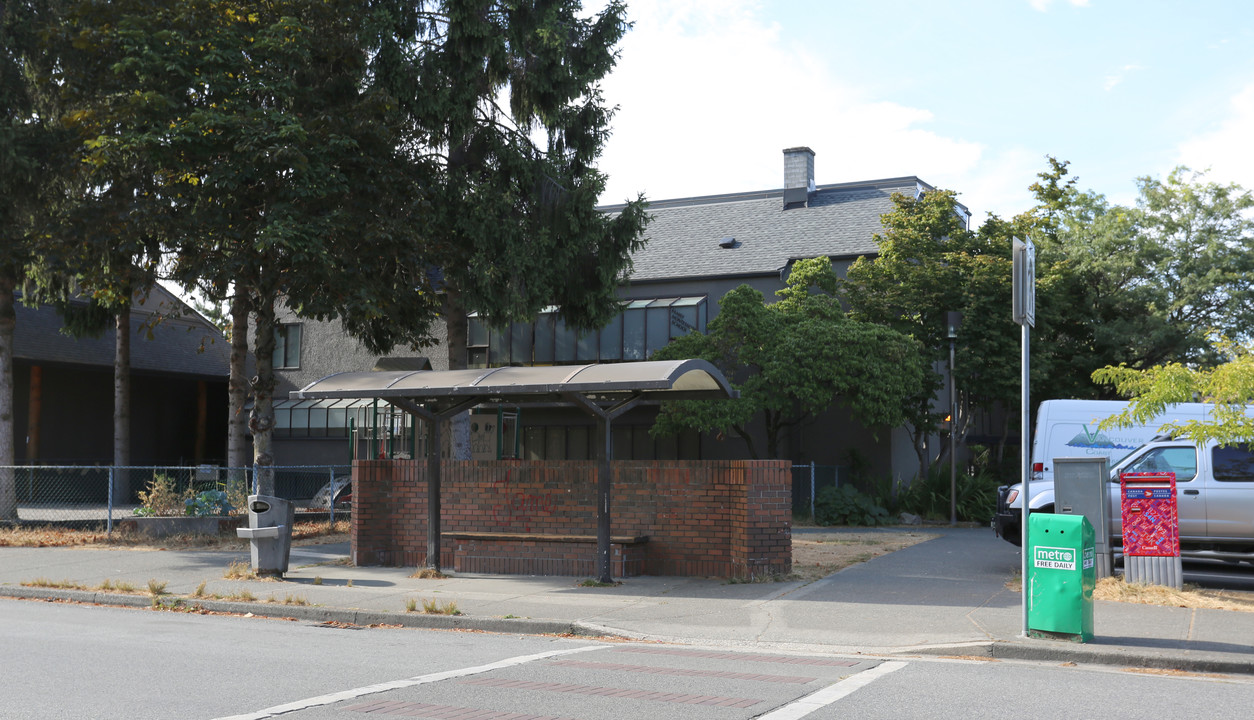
{"x":953,"y":441}
{"x":433,"y":494}
{"x":1025,"y":469}
{"x":331,"y":502}
{"x":109,"y":522}
{"x":603,"y":505}
{"x":812,"y":517}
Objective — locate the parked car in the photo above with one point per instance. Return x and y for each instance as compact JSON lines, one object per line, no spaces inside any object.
{"x":1214,"y":495}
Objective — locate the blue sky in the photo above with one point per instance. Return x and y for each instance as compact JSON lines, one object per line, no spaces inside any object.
{"x":969,"y":95}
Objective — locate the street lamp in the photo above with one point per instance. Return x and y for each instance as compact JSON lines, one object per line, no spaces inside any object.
{"x":953,"y":321}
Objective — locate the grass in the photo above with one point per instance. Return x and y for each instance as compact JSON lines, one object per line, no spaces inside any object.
{"x":289,"y":600}
{"x":239,"y":570}
{"x":593,"y":582}
{"x":431,"y":606}
{"x":429,"y":574}
{"x":1114,"y":589}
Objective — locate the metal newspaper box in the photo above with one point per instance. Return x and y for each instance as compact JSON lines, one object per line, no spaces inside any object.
{"x":1061,"y":576}
{"x":1151,"y":529}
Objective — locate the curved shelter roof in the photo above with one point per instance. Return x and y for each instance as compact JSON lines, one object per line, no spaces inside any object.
{"x":648,"y":380}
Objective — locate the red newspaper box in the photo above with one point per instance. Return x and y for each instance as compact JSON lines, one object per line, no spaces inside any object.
{"x":1151,"y":524}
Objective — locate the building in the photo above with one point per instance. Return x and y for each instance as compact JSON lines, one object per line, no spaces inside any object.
{"x":698,"y":249}
{"x":63,"y":388}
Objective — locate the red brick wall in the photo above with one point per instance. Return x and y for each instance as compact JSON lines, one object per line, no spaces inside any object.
{"x":711,"y":518}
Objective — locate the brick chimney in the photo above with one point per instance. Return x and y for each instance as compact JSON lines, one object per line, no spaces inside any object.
{"x":798,"y":176}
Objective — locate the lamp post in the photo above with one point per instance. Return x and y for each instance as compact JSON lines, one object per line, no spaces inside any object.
{"x":953,"y":321}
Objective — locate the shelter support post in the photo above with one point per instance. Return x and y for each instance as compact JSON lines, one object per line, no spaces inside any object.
{"x":605,"y":421}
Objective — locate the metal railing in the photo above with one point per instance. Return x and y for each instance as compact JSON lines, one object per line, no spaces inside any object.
{"x":89,"y":495}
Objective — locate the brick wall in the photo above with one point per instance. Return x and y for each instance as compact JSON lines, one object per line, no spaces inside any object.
{"x":707,"y":518}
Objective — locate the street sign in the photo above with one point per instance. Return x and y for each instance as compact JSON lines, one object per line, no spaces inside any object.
{"x":1024,"y":305}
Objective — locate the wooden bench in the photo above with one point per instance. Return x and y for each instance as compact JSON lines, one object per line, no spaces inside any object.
{"x":542,"y":554}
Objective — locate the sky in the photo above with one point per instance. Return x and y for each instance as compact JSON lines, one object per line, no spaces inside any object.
{"x":968,"y":95}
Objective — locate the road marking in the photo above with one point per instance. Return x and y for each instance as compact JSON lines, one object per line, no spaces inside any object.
{"x":832,"y":693}
{"x":399,"y":684}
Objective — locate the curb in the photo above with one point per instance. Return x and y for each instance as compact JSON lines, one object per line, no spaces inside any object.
{"x":316,"y":613}
{"x":1180,"y":659}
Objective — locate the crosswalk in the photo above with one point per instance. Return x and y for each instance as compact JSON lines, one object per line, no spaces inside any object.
{"x":595,"y":682}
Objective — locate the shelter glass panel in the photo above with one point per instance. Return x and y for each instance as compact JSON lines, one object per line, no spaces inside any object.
{"x":546,"y":328}
{"x":612,"y":339}
{"x":564,"y":342}
{"x":578,"y":443}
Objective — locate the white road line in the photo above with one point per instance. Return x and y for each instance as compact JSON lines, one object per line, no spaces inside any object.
{"x":398,"y":684}
{"x":832,"y":693}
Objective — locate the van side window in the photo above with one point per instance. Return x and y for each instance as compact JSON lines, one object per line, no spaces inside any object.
{"x":1234,"y":463}
{"x":1180,"y":460}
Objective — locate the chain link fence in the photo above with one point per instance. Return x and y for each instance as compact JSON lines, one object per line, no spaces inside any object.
{"x":808,"y":480}
{"x":86,"y":495}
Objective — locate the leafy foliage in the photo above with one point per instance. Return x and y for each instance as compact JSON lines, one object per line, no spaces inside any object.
{"x":794,"y":359}
{"x":161,"y":498}
{"x":844,"y":505}
{"x":1228,"y":387}
{"x":976,"y":498}
{"x":208,"y":502}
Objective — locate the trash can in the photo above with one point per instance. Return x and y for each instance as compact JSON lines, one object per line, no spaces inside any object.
{"x":270,"y":532}
{"x":1061,"y":577}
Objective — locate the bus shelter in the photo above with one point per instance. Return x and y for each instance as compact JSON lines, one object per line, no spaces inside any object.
{"x":605,"y":391}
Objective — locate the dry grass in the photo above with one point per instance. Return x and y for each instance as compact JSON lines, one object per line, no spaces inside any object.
{"x":1115,"y":589}
{"x":817,"y":555}
{"x":429,"y":574}
{"x":436,"y":607}
{"x":304,"y":533}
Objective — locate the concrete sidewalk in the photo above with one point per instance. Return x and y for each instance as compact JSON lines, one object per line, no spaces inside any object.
{"x":946,"y":596}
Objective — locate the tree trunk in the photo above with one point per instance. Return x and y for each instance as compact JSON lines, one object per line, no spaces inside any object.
{"x":455,"y":322}
{"x":8,"y":323}
{"x":261,"y":421}
{"x":237,"y":391}
{"x":122,"y":402}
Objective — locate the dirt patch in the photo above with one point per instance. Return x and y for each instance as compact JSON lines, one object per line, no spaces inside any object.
{"x":304,"y":533}
{"x":817,"y":555}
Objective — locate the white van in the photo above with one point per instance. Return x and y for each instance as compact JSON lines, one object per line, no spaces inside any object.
{"x":1069,"y":428}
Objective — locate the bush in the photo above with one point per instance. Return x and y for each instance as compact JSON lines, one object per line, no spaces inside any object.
{"x":209,"y":502}
{"x":929,"y":498}
{"x":162,"y":498}
{"x":844,"y":505}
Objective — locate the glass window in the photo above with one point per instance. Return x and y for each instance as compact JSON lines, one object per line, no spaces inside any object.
{"x":587,"y":348}
{"x":1234,"y":463}
{"x":546,"y":328}
{"x":337,"y":422}
{"x":498,"y":351}
{"x":555,"y":443}
{"x":633,"y":333}
{"x":577,"y":443}
{"x":282,"y":422}
{"x":287,"y":346}
{"x":318,"y":420}
{"x":300,"y":421}
{"x":520,"y":343}
{"x":658,"y":332}
{"x":612,"y":339}
{"x":564,"y":343}
{"x":1180,"y":460}
{"x":533,"y":443}
{"x":477,"y":332}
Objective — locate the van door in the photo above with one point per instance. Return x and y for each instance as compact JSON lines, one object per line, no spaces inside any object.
{"x":1230,"y":496}
{"x":1191,"y":492}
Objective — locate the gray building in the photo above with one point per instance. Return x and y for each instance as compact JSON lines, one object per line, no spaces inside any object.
{"x":698,"y":249}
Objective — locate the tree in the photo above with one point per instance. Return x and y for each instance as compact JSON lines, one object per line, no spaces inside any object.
{"x":1229,"y":388}
{"x":265,"y":157}
{"x":794,"y":359}
{"x":513,"y":203}
{"x":31,"y":159}
{"x":929,"y":263}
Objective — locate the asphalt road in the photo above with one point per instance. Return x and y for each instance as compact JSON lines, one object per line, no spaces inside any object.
{"x":75,"y":661}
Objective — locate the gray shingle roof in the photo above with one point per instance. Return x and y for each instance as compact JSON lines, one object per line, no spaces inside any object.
{"x":840,"y":220}
{"x":181,"y":345}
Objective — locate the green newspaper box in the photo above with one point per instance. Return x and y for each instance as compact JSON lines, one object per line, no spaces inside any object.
{"x":1061,"y":576}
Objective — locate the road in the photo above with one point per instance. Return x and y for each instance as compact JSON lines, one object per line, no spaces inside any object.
{"x":75,"y":661}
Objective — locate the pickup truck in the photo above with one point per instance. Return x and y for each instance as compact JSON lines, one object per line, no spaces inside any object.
{"x":1214,"y":492}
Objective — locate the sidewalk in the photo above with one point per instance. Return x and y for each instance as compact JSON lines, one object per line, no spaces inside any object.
{"x":946,"y":596}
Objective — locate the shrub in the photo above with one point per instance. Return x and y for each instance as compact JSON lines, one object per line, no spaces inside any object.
{"x":844,"y":505}
{"x":209,"y":502}
{"x":162,"y":498}
{"x":929,"y":498}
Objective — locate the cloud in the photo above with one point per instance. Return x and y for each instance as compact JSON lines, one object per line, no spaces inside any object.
{"x":1119,"y":75}
{"x":1228,"y":149}
{"x":710,"y":93}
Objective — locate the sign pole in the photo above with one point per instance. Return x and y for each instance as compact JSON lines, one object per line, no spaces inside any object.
{"x":1023,"y":310}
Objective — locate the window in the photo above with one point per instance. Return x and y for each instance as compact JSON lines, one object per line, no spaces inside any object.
{"x":1234,"y":463}
{"x":287,"y":346}
{"x":1180,"y":460}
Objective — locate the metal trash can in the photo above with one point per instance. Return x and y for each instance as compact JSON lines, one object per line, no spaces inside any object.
{"x":1061,"y":576}
{"x":270,"y":532}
